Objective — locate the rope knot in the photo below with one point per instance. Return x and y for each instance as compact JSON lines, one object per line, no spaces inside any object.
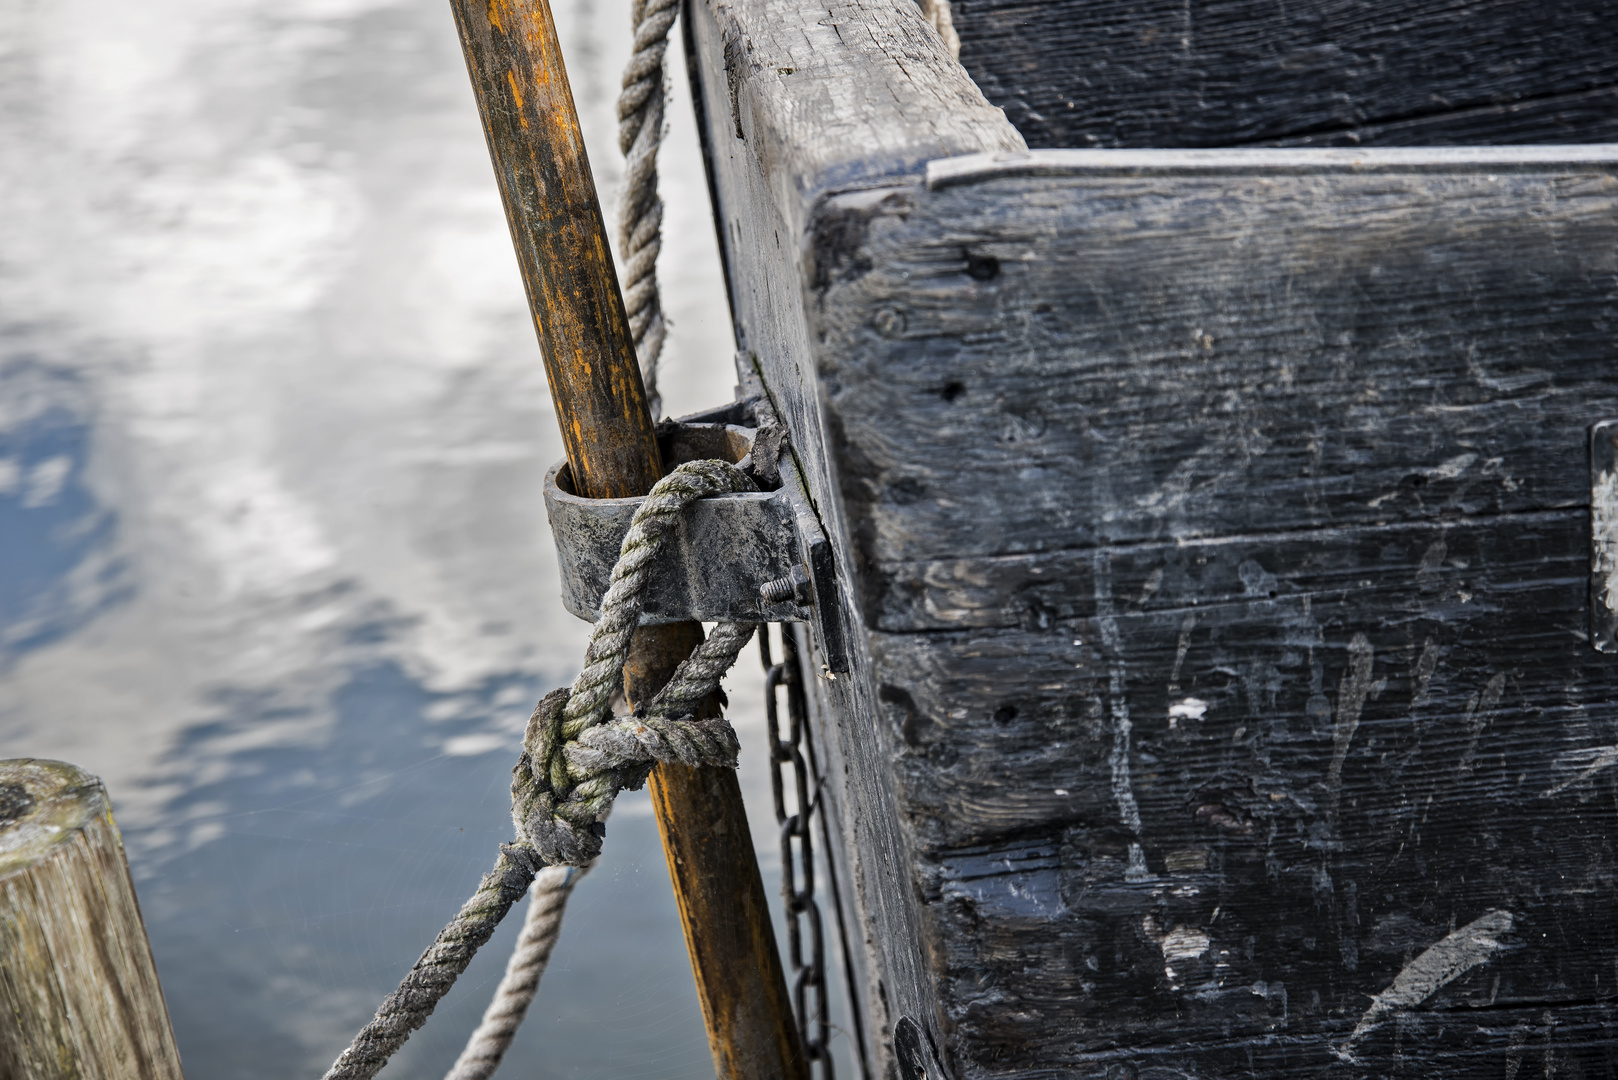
{"x":576,"y":758}
{"x":576,"y":755}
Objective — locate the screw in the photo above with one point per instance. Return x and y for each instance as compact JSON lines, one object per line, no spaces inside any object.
{"x":774,"y":592}
{"x":795,"y":586}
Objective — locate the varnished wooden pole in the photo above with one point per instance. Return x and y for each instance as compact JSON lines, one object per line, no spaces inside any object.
{"x":532,"y":128}
{"x":79,"y":997}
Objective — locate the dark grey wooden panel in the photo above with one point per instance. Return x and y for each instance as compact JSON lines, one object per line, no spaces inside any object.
{"x":1328,"y":750}
{"x":1219,"y":536}
{"x":1126,"y":355}
{"x":1590,"y":116}
{"x":1188,"y":73}
{"x":1223,"y":544}
{"x":1264,"y":624}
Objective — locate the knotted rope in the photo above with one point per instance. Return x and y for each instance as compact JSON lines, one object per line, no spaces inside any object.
{"x":575,"y":761}
{"x":640,"y":210}
{"x":576,"y":758}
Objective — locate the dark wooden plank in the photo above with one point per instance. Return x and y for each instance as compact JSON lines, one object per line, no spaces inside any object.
{"x":1327,"y":751}
{"x":1298,"y":448}
{"x":1168,"y":73}
{"x":1265,"y":623}
{"x":1070,"y":426}
{"x":1123,"y":354}
{"x":1589,"y":116}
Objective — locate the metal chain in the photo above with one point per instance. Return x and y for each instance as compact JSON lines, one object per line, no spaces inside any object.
{"x":791,"y":765}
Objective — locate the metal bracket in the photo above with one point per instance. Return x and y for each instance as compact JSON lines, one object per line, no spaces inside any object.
{"x":755,"y":556}
{"x":1604,"y":536}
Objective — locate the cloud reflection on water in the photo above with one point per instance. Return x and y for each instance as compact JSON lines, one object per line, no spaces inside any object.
{"x":272,"y":433}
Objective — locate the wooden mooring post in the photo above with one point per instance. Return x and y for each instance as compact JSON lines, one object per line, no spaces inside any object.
{"x":79,"y":996}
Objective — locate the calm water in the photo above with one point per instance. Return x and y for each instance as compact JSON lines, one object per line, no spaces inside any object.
{"x":275,"y":564}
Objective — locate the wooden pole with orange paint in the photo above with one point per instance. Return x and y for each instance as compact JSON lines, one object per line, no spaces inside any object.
{"x":532,"y":127}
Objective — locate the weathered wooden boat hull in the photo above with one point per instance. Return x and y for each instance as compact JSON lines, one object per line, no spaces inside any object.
{"x":1215,"y":532}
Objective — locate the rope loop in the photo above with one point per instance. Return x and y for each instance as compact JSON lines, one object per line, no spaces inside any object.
{"x":576,"y":757}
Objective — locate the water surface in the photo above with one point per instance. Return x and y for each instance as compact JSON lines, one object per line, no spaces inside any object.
{"x":275,"y":564}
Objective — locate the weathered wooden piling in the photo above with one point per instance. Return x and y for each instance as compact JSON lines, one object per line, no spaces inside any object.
{"x":79,"y":996}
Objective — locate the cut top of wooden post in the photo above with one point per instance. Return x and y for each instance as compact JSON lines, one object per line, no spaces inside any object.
{"x":78,"y":988}
{"x":43,"y":804}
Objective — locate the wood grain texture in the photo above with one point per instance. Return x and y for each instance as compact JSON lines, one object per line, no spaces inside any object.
{"x":532,"y":127}
{"x":746,"y":1000}
{"x":1169,"y":73}
{"x":837,"y":95}
{"x":1112,"y":358}
{"x":1223,"y":704}
{"x":1583,"y":117}
{"x":717,"y":886}
{"x":799,"y":103}
{"x":1333,"y":744}
{"x":79,"y":995}
{"x":1222,"y":542}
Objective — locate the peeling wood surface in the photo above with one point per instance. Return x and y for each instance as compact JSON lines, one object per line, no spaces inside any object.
{"x":1180,"y":73}
{"x":1223,"y":546}
{"x":838,"y":95}
{"x":1324,"y":773}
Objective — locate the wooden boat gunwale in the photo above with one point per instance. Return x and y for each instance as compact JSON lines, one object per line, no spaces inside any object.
{"x":913,"y":369}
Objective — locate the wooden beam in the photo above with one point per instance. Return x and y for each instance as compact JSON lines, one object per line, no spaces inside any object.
{"x":515,"y":62}
{"x":78,"y":990}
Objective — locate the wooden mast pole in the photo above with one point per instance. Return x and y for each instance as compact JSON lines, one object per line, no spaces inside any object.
{"x":532,"y":127}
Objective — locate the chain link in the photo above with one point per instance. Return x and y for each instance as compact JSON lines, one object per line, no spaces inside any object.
{"x":792,"y":763}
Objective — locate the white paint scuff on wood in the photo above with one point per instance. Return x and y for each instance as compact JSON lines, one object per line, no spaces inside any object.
{"x":1187,"y":709}
{"x":1354,"y":689}
{"x":1447,"y":960}
{"x":1183,"y":943}
{"x":1180,"y":946}
{"x":1604,"y":535}
{"x":1478,"y":710}
{"x":1123,"y":789}
{"x":1593,"y":761}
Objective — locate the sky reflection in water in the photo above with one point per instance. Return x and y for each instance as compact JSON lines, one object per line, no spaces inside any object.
{"x":275,"y":564}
